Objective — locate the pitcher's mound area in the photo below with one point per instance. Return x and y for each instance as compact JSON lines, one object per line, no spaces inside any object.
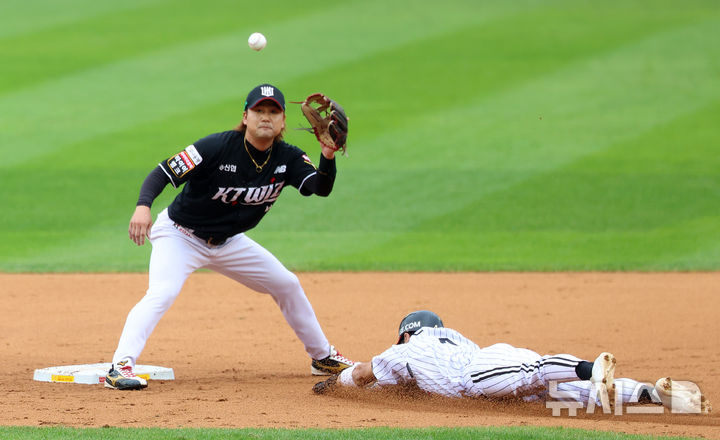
{"x":238,"y":364}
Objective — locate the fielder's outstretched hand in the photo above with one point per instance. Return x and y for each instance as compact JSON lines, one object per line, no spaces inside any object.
{"x":140,"y":224}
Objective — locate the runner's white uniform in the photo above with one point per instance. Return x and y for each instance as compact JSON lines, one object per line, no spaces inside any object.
{"x":442,"y":361}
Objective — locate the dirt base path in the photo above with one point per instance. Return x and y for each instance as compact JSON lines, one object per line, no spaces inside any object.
{"x":238,"y":364}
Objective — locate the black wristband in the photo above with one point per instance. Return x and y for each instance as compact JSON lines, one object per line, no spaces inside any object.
{"x":327,"y":167}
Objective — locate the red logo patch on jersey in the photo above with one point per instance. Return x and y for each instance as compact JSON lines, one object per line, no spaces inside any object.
{"x":189,"y":163}
{"x":184,"y":161}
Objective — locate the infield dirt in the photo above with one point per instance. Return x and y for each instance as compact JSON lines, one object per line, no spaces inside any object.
{"x":238,"y":364}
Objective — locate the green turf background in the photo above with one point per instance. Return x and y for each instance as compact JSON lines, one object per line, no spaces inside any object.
{"x":485,"y":135}
{"x":490,"y":433}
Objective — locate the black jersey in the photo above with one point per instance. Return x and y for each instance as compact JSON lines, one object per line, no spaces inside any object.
{"x":224,"y":194}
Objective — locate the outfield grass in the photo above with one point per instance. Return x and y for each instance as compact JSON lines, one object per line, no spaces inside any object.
{"x":510,"y":433}
{"x":527,"y":135}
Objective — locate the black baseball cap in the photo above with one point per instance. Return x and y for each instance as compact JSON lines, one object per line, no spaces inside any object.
{"x":262,"y":93}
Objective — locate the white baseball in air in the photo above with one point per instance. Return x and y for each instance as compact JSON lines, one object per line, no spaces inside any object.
{"x":257,"y":41}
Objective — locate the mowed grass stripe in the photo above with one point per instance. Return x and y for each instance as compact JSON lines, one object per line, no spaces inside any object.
{"x":591,"y":110}
{"x":368,"y":218}
{"x":110,"y":157}
{"x":98,"y":203}
{"x":19,"y":17}
{"x":493,"y":137}
{"x":556,"y":116}
{"x":478,"y":61}
{"x":376,"y":197}
{"x":90,"y":42}
{"x":121,"y":95}
{"x":649,"y":203}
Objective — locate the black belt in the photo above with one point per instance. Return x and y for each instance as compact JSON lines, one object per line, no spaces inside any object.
{"x":214,"y":241}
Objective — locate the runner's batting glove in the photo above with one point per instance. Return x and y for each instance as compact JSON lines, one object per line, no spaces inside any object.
{"x":326,"y":385}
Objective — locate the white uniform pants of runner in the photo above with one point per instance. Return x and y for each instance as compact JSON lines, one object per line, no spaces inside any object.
{"x":502,"y":370}
{"x":176,"y":254}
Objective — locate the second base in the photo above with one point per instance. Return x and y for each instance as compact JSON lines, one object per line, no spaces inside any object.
{"x":92,"y":374}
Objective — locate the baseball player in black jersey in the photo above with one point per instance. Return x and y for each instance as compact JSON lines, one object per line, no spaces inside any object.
{"x":441,"y":361}
{"x":231,"y":180}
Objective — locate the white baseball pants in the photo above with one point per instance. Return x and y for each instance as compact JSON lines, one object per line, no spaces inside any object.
{"x":503,"y":370}
{"x":176,"y":254}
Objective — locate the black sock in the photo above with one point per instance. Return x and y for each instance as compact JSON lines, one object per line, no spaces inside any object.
{"x":645,"y":395}
{"x":584,"y":370}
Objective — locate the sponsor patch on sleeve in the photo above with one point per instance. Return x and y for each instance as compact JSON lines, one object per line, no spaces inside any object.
{"x":184,"y":161}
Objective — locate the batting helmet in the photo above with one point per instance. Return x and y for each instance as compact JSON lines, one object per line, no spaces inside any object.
{"x":415,"y":320}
